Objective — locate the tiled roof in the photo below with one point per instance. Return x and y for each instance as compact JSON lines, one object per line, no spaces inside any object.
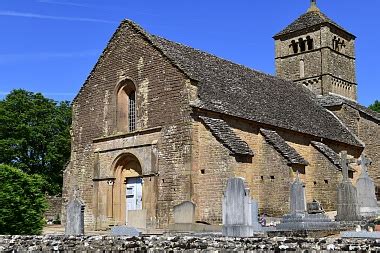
{"x":236,"y":90}
{"x":226,"y":136}
{"x":307,"y":20}
{"x":279,"y":144}
{"x":229,"y":88}
{"x":329,"y":153}
{"x":331,"y":100}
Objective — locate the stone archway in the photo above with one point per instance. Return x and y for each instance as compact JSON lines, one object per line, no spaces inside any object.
{"x":127,"y":191}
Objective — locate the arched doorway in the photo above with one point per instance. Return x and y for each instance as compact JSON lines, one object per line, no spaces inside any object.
{"x":127,"y":189}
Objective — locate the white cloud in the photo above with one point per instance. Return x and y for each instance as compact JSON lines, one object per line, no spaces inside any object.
{"x":64,"y":3}
{"x":39,"y":16}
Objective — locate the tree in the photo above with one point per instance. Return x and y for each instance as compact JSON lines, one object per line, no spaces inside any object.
{"x":375,"y":106}
{"x":22,"y":204}
{"x":35,"y":136}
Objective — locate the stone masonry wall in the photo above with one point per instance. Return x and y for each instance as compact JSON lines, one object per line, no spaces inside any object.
{"x":180,"y":243}
{"x":211,"y":167}
{"x":161,"y":101}
{"x":53,"y":213}
{"x":325,"y":69}
{"x":368,"y":130}
{"x":267,"y":174}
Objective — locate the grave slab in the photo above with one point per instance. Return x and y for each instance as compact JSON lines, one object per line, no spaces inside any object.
{"x":298,"y":218}
{"x":75,"y":217}
{"x":366,"y":193}
{"x":240,"y":212}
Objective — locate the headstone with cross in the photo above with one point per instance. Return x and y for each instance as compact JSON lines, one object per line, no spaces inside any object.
{"x":366,"y":190}
{"x":298,"y":218}
{"x":347,"y":203}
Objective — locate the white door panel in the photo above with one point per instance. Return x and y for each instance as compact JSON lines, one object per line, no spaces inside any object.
{"x":134,"y":194}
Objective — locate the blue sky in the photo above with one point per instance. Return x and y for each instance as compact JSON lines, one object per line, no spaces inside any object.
{"x":50,"y":46}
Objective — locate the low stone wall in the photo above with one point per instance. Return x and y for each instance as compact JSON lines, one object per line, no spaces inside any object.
{"x":180,"y":243}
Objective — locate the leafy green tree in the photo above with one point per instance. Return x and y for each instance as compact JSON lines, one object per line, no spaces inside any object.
{"x":35,"y":136}
{"x":375,"y":106}
{"x":22,"y":204}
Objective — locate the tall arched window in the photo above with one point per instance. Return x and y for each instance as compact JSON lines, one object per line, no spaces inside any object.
{"x":132,"y":111}
{"x":126,"y":107}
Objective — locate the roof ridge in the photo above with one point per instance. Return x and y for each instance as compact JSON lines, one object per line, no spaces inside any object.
{"x":217,"y":57}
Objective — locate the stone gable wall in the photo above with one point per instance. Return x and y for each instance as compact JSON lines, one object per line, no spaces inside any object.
{"x":162,"y":101}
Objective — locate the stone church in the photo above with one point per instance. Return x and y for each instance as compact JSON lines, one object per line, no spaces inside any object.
{"x":158,"y":123}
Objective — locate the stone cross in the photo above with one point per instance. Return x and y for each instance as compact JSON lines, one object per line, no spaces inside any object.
{"x":344,"y":163}
{"x":364,"y":162}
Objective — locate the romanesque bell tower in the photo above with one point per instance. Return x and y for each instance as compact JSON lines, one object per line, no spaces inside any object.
{"x":316,"y":52}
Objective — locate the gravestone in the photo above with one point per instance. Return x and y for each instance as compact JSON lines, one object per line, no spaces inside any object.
{"x":297,"y":197}
{"x":75,"y":217}
{"x":240,"y":212}
{"x":125,"y":231}
{"x":366,"y":194}
{"x":347,"y":202}
{"x":299,"y":218}
{"x":184,"y":213}
{"x":184,"y":220}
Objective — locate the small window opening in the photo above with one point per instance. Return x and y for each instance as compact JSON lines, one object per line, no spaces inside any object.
{"x":271,"y":178}
{"x":203,"y":171}
{"x":302,"y":45}
{"x":315,"y":183}
{"x":295,"y":46}
{"x":163,"y":180}
{"x":343,"y":47}
{"x":334,"y":43}
{"x":262,"y":178}
{"x":326,"y":181}
{"x":310,"y":43}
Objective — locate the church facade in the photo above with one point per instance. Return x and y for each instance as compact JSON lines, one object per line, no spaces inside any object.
{"x":158,"y":123}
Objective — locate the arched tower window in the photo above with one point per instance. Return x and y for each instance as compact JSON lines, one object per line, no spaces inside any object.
{"x":126,"y":107}
{"x":294,"y":46}
{"x":302,"y":45}
{"x":310,"y":43}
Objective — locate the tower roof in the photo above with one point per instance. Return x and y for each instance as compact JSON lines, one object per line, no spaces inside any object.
{"x":313,"y":17}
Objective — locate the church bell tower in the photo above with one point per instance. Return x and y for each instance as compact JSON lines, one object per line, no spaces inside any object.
{"x":316,"y":52}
